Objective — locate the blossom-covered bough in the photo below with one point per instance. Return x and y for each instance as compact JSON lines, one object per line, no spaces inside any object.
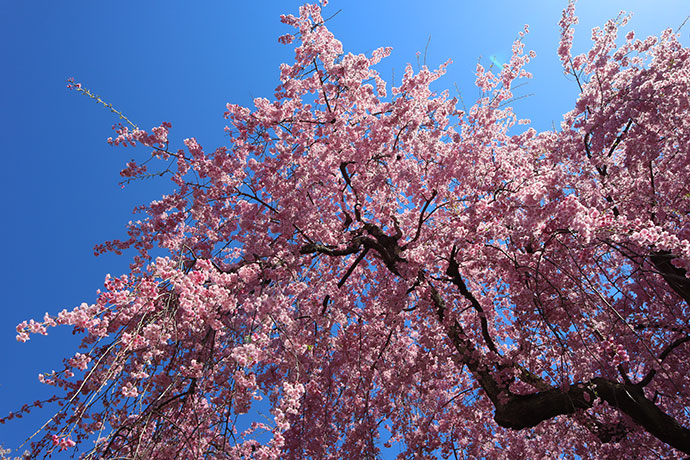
{"x":384,"y":269}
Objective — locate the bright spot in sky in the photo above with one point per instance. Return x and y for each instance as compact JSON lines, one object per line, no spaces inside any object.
{"x":497,"y":61}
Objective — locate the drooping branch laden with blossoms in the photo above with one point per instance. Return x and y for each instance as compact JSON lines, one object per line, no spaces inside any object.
{"x":377,"y":267}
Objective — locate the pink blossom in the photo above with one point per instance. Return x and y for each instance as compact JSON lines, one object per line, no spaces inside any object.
{"x":381,"y":268}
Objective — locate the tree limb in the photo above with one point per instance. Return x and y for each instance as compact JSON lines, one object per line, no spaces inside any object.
{"x":674,"y":276}
{"x":526,"y":411}
{"x":453,"y":271}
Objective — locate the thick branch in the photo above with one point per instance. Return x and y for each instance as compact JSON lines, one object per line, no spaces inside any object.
{"x":313,"y":248}
{"x":674,"y":276}
{"x":526,"y":411}
{"x":348,"y":181}
{"x":619,"y":138}
{"x":385,"y":245}
{"x":359,"y":258}
{"x":454,"y":272}
{"x":467,"y":352}
{"x":664,"y":354}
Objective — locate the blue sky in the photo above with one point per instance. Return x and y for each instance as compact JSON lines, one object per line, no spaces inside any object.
{"x":181,"y":61}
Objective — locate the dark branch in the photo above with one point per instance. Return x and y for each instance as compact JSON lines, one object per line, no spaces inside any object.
{"x":323,"y":89}
{"x":619,"y":138}
{"x":385,"y":245}
{"x":453,"y":271}
{"x":664,"y":354}
{"x":468,"y":354}
{"x":526,"y":411}
{"x":422,"y":219}
{"x":352,"y":267}
{"x":674,"y":276}
{"x":313,"y":248}
{"x":346,"y":175}
{"x":602,"y":170}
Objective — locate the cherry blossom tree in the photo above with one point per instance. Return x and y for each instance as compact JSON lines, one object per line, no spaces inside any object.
{"x":382,"y":268}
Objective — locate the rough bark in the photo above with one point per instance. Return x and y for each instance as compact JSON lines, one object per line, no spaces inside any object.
{"x":674,"y":276}
{"x":526,"y":411}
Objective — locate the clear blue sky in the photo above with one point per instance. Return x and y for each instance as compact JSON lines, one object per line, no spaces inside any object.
{"x":181,"y":61}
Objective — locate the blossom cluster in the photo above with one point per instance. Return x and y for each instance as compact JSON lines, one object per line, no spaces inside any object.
{"x":382,"y":268}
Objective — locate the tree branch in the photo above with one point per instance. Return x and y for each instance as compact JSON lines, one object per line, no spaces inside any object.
{"x":422,"y":219}
{"x":453,"y":271}
{"x":526,"y":411}
{"x":352,"y":267}
{"x":313,"y":248}
{"x":674,"y":276}
{"x":664,"y":354}
{"x":467,"y":355}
